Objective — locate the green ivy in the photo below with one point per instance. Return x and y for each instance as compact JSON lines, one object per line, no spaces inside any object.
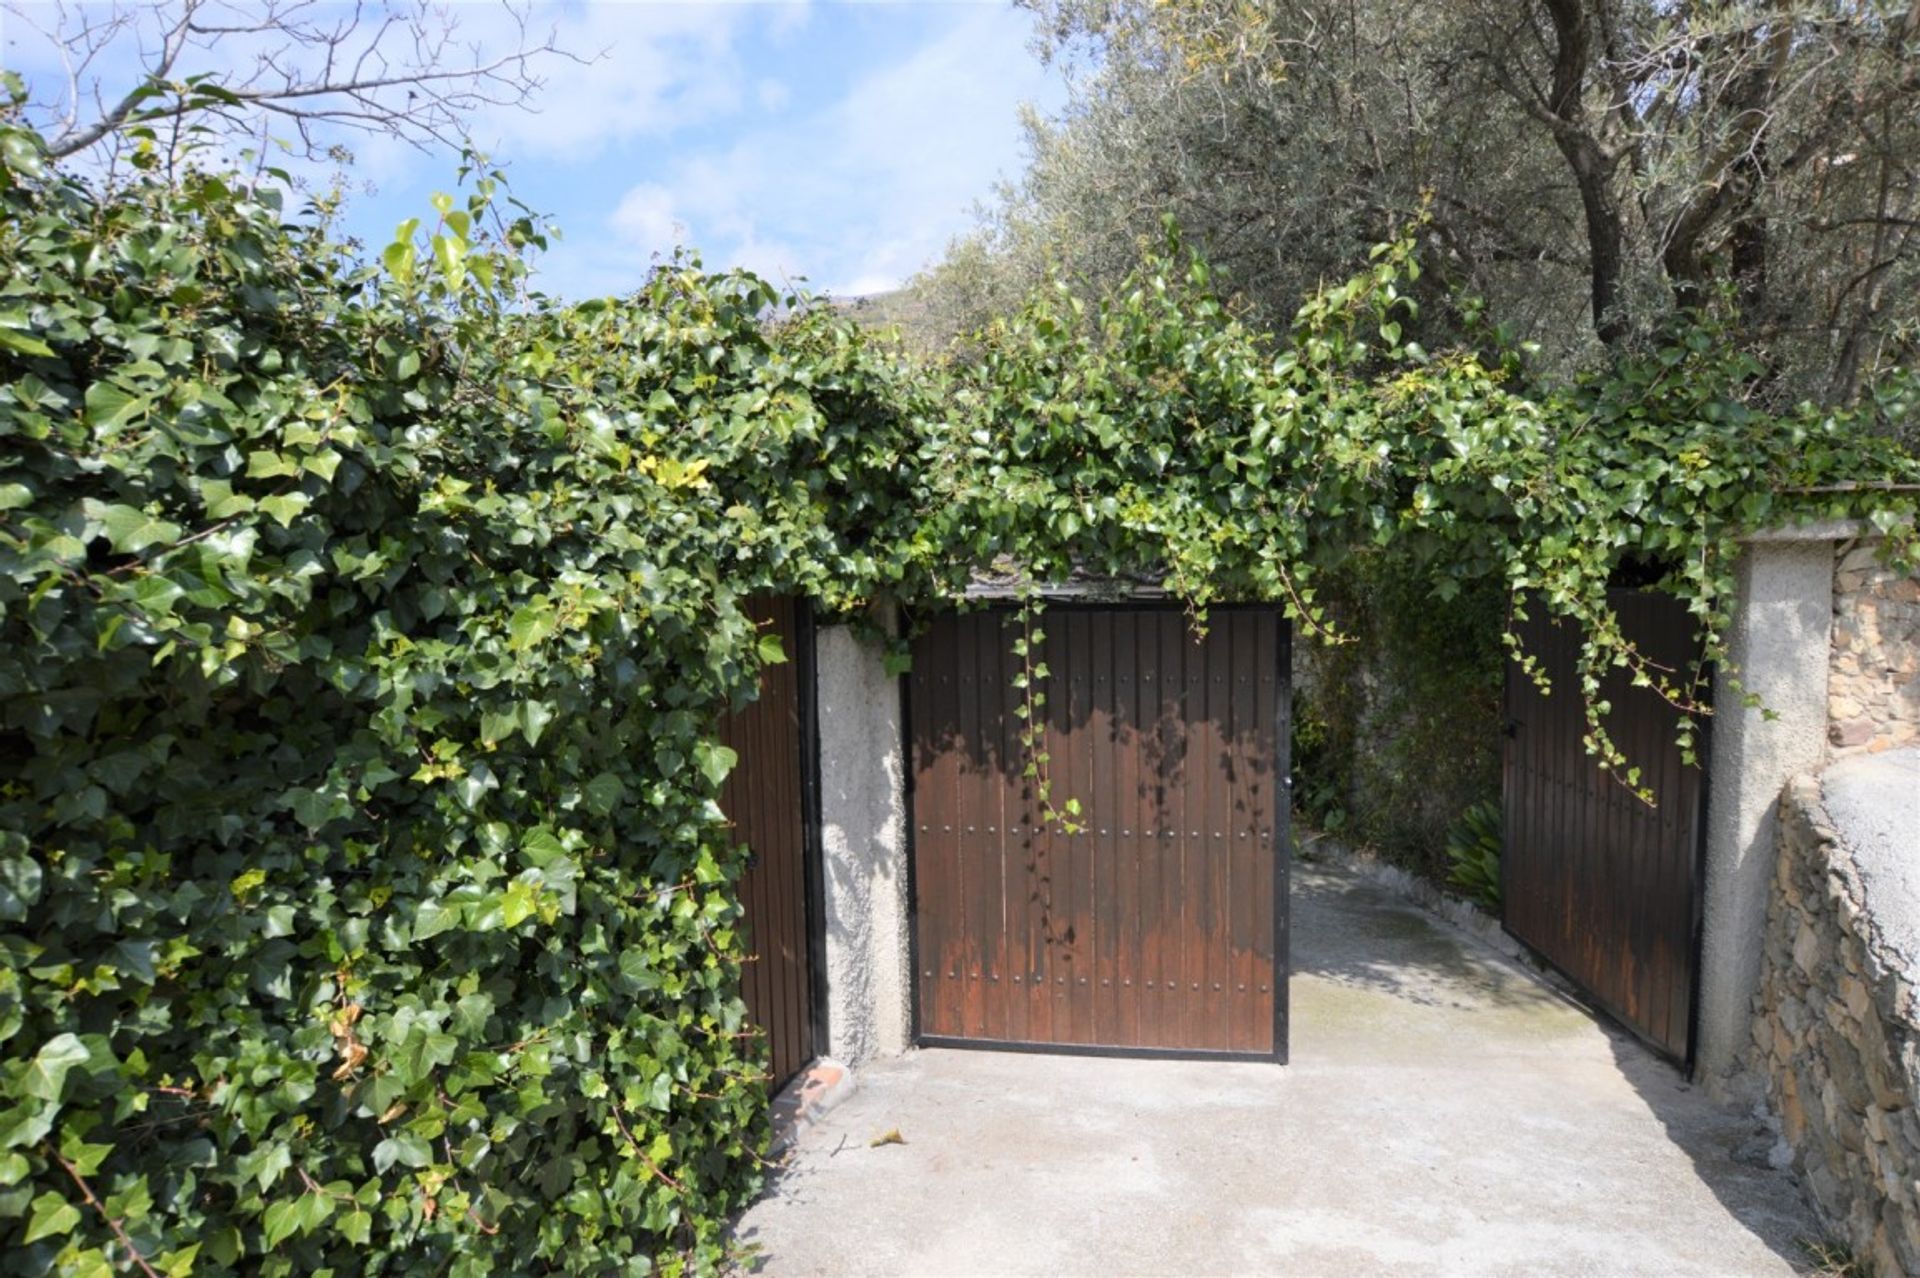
{"x":1152,"y":429}
{"x":364,"y":904}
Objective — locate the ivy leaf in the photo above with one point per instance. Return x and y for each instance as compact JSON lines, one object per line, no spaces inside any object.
{"x":20,"y":881}
{"x":432,"y":918}
{"x":130,"y":529}
{"x":24,"y":343}
{"x":715,"y":761}
{"x":603,"y":793}
{"x":530,"y":625}
{"x":409,"y":1149}
{"x":534,"y":718}
{"x":51,"y":1064}
{"x":51,"y":1216}
{"x":284,"y":507}
{"x":110,"y":407}
{"x":281,"y":1219}
{"x":356,"y":1227}
{"x":517,"y":904}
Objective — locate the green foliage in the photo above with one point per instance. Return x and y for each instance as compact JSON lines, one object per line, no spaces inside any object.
{"x":1473,"y":854}
{"x":364,"y":904}
{"x":1153,"y":428}
{"x":1399,"y":730}
{"x":1321,"y":783}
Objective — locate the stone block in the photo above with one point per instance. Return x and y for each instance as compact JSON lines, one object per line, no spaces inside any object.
{"x":1851,"y":733}
{"x":1862,"y":557}
{"x":1885,"y":1259}
{"x":1806,"y":948}
{"x":1793,"y":1115}
{"x":1853,"y":991}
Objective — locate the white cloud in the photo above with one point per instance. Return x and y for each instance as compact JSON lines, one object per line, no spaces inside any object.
{"x":648,"y":68}
{"x":646,"y":220}
{"x":861,"y":192}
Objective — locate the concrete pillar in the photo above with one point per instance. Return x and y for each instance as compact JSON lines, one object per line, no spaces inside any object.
{"x":863,"y":819}
{"x":1779,"y":644}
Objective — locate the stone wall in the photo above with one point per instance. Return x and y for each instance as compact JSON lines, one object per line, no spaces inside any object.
{"x":1836,"y":1034}
{"x":1873,"y":684}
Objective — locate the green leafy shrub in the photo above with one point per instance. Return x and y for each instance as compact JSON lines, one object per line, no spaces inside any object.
{"x":1406,"y":717}
{"x":1318,"y":794}
{"x":364,"y":904}
{"x":1473,"y":854}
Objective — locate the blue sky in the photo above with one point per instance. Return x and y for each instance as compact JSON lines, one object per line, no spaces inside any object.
{"x":843,"y":143}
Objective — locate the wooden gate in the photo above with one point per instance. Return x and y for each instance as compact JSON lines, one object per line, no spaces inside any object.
{"x":1160,"y":928}
{"x":767,"y":799}
{"x":1592,"y":879}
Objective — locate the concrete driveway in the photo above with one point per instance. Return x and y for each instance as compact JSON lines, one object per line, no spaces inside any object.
{"x":1446,"y":1112}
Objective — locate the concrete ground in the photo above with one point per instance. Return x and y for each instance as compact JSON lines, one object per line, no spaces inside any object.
{"x":1446,"y":1112}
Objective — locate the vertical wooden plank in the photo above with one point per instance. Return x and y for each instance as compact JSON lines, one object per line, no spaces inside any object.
{"x":995,"y":685}
{"x":1071,"y":781}
{"x":764,"y":805}
{"x":1042,"y":1005}
{"x":1156,"y":780}
{"x":966,"y":823}
{"x":1636,"y":899}
{"x":1191,"y":973}
{"x":939,"y":909}
{"x":1269,"y":819}
{"x":1134,"y":816}
{"x":1059,"y":876}
{"x":1246,"y":741}
{"x":1015,"y":840}
{"x":783,"y":737}
{"x":1104,"y":822}
{"x":1216,"y":932}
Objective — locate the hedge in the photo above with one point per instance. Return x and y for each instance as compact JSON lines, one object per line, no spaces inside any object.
{"x":364,"y":905}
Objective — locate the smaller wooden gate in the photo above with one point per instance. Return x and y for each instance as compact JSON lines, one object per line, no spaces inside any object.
{"x":767,"y":798}
{"x":1159,"y":925}
{"x":1592,"y":879}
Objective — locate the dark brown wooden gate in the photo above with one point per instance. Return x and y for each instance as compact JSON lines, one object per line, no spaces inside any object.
{"x":1592,"y":879}
{"x":1161,"y":927}
{"x":767,"y":799}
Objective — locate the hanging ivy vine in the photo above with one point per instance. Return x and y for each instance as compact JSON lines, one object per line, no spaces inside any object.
{"x":1152,"y":427}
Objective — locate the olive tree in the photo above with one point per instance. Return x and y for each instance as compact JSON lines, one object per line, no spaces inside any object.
{"x":1589,"y":167}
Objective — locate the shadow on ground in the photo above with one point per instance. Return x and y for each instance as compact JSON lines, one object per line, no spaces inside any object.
{"x":1446,"y":1111}
{"x":1353,"y":935}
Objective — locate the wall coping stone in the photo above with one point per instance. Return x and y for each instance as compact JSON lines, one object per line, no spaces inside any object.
{"x":1813,"y":530}
{"x":1873,"y":804}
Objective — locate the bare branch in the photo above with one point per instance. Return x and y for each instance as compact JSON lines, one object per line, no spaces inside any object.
{"x":382,"y":67}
